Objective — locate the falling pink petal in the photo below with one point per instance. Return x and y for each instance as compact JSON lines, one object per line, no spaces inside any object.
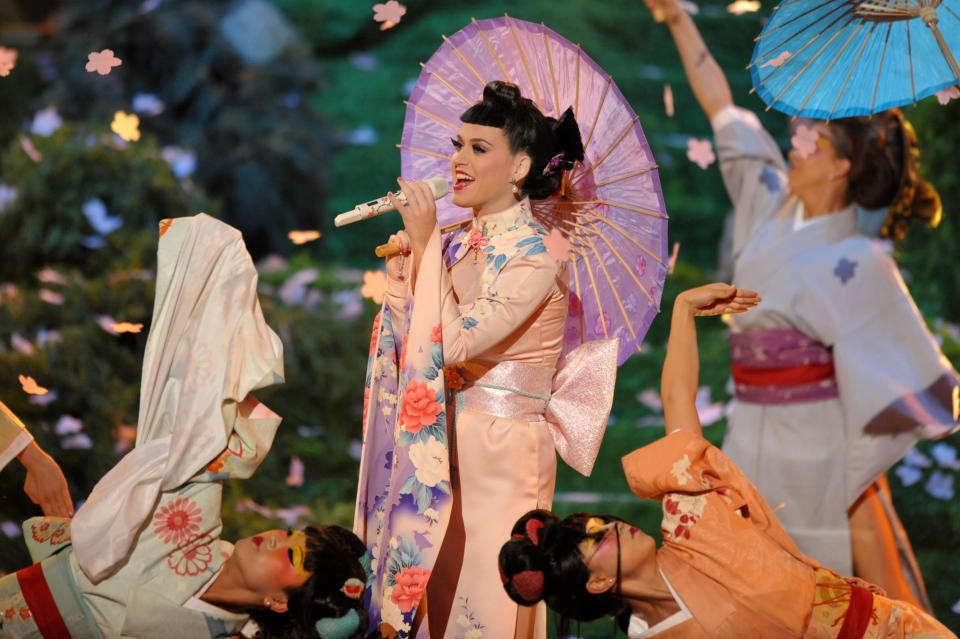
{"x":27,"y":145}
{"x":127,"y":327}
{"x":107,"y":323}
{"x":126,"y":436}
{"x":8,"y":60}
{"x":295,"y":476}
{"x":50,"y":276}
{"x":302,"y":237}
{"x":558,"y":247}
{"x":374,"y":286}
{"x":690,"y":7}
{"x":700,"y":152}
{"x":390,"y":11}
{"x":945,"y":95}
{"x":21,"y":344}
{"x":50,"y":297}
{"x":668,"y":100}
{"x":777,"y":61}
{"x":673,"y":258}
{"x":102,"y":61}
{"x":804,"y":140}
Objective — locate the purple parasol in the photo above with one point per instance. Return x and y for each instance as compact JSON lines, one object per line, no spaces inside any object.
{"x":609,"y":208}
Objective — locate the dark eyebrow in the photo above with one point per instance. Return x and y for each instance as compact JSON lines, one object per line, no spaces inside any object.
{"x":472,"y":140}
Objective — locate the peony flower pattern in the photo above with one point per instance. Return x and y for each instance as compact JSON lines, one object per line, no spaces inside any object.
{"x":177,"y":521}
{"x":420,"y":407}
{"x":192,"y":557}
{"x":411,"y":581}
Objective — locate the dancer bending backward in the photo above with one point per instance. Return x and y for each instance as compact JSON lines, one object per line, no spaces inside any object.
{"x":504,"y":301}
{"x":726,"y":569}
{"x":143,"y":557}
{"x":836,"y":377}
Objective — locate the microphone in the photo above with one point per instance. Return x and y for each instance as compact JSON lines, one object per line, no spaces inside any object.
{"x":438,"y":186}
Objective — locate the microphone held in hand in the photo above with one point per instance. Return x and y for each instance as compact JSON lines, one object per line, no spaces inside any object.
{"x":438,"y":186}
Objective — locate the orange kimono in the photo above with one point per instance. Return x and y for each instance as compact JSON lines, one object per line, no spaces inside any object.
{"x":735,"y":569}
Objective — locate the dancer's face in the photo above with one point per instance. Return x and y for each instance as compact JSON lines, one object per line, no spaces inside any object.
{"x":601,"y":554}
{"x":272,"y":561}
{"x":482,"y":166}
{"x":809,"y":174}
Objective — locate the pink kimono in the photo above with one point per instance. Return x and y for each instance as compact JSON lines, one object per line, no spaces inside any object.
{"x":734,"y":569}
{"x":451,"y":460}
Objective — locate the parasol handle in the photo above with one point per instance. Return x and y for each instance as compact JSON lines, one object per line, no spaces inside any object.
{"x":389,"y":249}
{"x":944,"y":48}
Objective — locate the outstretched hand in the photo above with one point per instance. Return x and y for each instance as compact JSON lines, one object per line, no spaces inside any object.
{"x":45,"y":485}
{"x":718,"y":298}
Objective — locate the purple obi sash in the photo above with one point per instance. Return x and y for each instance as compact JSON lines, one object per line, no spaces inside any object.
{"x":781,"y":366}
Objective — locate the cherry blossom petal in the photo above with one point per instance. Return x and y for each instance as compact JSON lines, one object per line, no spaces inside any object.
{"x":31,"y":387}
{"x":127,"y":126}
{"x":804,"y":140}
{"x":945,"y":95}
{"x":8,"y":60}
{"x":777,"y":61}
{"x":102,"y":61}
{"x":374,"y":286}
{"x":302,"y":237}
{"x":668,"y":100}
{"x":741,"y":7}
{"x":700,"y":152}
{"x":390,"y":11}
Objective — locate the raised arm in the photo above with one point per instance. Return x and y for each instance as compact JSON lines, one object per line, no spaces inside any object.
{"x":681,"y":368}
{"x":706,"y":77}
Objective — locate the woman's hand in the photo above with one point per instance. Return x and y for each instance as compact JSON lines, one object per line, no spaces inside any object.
{"x":663,"y":10}
{"x":45,"y":486}
{"x":419,"y":213}
{"x":717,"y":298}
{"x":398,"y":264}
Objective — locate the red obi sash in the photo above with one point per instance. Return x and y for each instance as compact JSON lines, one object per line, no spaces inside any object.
{"x":43,"y":608}
{"x":781,"y":366}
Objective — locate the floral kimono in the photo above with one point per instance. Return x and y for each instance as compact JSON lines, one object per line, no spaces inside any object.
{"x":735,"y":572}
{"x":147,"y":539}
{"x":465,"y":405}
{"x":836,"y":374}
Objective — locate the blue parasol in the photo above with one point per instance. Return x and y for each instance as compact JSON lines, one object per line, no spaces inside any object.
{"x":839,"y":58}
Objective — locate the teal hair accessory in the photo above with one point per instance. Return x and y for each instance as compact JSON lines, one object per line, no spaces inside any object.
{"x":338,"y":627}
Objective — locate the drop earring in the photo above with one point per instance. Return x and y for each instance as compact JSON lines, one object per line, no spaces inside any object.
{"x":516,"y":189}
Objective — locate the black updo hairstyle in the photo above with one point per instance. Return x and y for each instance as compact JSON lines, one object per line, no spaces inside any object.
{"x":553,"y":145}
{"x":542,"y":561}
{"x":884,"y":160}
{"x":333,"y":557}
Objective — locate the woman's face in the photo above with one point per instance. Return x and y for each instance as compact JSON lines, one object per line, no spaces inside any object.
{"x":599,"y":552}
{"x":482,"y":167}
{"x":272,"y":561}
{"x":810,"y":173}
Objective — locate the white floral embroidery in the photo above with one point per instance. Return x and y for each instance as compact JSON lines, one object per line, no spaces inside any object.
{"x":391,"y":614}
{"x":681,"y":470}
{"x":431,"y":461}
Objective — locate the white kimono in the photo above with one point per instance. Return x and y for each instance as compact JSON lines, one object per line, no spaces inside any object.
{"x":147,"y":539}
{"x":823,"y":278}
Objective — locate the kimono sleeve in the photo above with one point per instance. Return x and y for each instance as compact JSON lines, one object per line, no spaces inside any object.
{"x":519,"y":289}
{"x":684,"y":463}
{"x":13,"y":436}
{"x":753,"y":171}
{"x":895,"y":385}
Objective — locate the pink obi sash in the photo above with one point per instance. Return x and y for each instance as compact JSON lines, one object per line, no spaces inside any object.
{"x":574,"y":399}
{"x":781,"y":366}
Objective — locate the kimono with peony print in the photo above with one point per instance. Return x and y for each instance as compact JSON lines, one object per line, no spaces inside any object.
{"x":404,"y":500}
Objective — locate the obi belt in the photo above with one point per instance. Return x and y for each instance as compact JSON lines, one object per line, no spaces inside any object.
{"x":781,"y":366}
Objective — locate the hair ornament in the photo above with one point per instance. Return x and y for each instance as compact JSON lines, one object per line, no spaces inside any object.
{"x":533,"y":527}
{"x":353,"y":588}
{"x":553,"y":165}
{"x":529,"y":584}
{"x":338,"y":627}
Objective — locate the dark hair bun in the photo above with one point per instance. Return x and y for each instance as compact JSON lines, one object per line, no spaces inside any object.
{"x":884,"y":162}
{"x":521,"y":559}
{"x":502,"y":95}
